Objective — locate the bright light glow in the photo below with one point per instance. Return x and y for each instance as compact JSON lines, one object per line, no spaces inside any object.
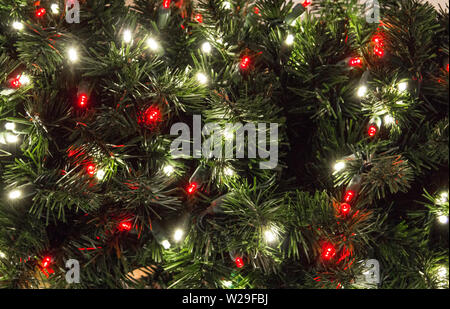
{"x":226,"y":5}
{"x":14,"y":194}
{"x":10,"y":126}
{"x":178,"y":235}
{"x":442,"y":198}
{"x":362,"y":91}
{"x":17,"y":25}
{"x":442,"y":273}
{"x":165,"y":244}
{"x":54,"y":8}
{"x":290,"y":39}
{"x":100,"y":174}
{"x":402,"y":86}
{"x":168,"y":170}
{"x":228,"y":171}
{"x":227,"y":284}
{"x":206,"y":47}
{"x":339,"y":166}
{"x":388,"y":120}
{"x":11,"y":138}
{"x":72,"y":54}
{"x":24,"y":79}
{"x":2,"y":255}
{"x":152,"y":44}
{"x":270,"y":236}
{"x":127,"y":36}
{"x":202,"y":78}
{"x":443,"y":219}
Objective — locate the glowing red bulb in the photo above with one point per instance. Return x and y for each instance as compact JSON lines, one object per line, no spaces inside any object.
{"x":245,"y":62}
{"x":328,"y":251}
{"x":152,"y":115}
{"x":15,"y":82}
{"x":199,"y":18}
{"x":447,"y":67}
{"x":306,"y":3}
{"x":355,"y":62}
{"x":40,"y":12}
{"x":192,"y":188}
{"x":349,"y":195}
{"x":372,"y":131}
{"x":91,"y":169}
{"x":345,"y":209}
{"x":166,"y":4}
{"x":256,"y":10}
{"x":125,"y":226}
{"x":46,"y":261}
{"x":82,"y":100}
{"x":378,"y":40}
{"x":378,"y":51}
{"x":239,"y":262}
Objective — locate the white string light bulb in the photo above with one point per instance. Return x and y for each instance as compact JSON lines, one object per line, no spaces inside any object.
{"x":168,"y":170}
{"x":362,"y":90}
{"x":152,"y":44}
{"x":15,"y":194}
{"x":270,"y":236}
{"x":388,"y":120}
{"x":166,"y":244}
{"x":202,"y":78}
{"x":72,"y":54}
{"x":402,"y":86}
{"x":10,"y":126}
{"x":443,"y":219}
{"x":54,"y":8}
{"x":127,"y":36}
{"x":100,"y":174}
{"x":206,"y":47}
{"x":17,"y":25}
{"x":228,"y":171}
{"x":178,"y":235}
{"x":289,"y":39}
{"x":339,"y":166}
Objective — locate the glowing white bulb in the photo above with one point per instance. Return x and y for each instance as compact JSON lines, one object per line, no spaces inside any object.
{"x":10,"y":126}
{"x":54,"y":8}
{"x":442,"y":198}
{"x":14,"y":194}
{"x":24,"y":79}
{"x":17,"y":25}
{"x":206,"y":47}
{"x":227,"y":283}
{"x":2,"y":255}
{"x":270,"y":236}
{"x":294,"y":22}
{"x":442,"y":273}
{"x":443,"y":219}
{"x":178,"y":235}
{"x":339,"y":166}
{"x":362,"y":91}
{"x":228,"y":171}
{"x":226,"y":5}
{"x":127,"y":36}
{"x":165,"y":244}
{"x":290,"y":39}
{"x":72,"y":54}
{"x":202,"y":78}
{"x":152,"y":44}
{"x":388,"y":120}
{"x":168,"y":170}
{"x":100,"y":174}
{"x":402,"y":86}
{"x":11,"y":138}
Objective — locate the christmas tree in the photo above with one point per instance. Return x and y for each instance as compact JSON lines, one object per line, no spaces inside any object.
{"x":224,"y":144}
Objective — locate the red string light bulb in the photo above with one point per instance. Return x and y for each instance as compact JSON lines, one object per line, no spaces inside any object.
{"x":239,"y":262}
{"x":40,"y":12}
{"x":344,"y":209}
{"x":328,"y":251}
{"x":166,"y":4}
{"x":124,"y":226}
{"x":192,"y":188}
{"x":245,"y":62}
{"x":372,"y":131}
{"x":349,"y":195}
